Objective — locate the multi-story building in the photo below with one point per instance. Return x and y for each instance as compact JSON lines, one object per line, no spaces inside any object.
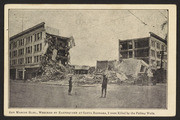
{"x":152,"y":50}
{"x":27,"y":48}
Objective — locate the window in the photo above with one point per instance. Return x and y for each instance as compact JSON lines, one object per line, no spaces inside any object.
{"x":142,"y":53}
{"x":34,"y":37}
{"x":130,"y":45}
{"x":124,"y":54}
{"x":130,"y":54}
{"x":38,"y":47}
{"x":38,"y":36}
{"x":21,"y":61}
{"x":123,"y":46}
{"x":158,"y":54}
{"x":28,"y":60}
{"x":162,"y":47}
{"x":29,"y":49}
{"x":145,"y":60}
{"x":21,"y":52}
{"x":153,"y":43}
{"x":140,"y":43}
{"x":142,"y":68}
{"x":29,"y":40}
{"x":158,"y":45}
{"x":153,"y":53}
{"x":21,"y":42}
{"x":14,"y":62}
{"x":15,"y":44}
{"x":14,"y":53}
{"x":37,"y":59}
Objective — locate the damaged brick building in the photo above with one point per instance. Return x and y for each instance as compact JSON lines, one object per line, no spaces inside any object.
{"x":32,"y":48}
{"x":152,"y":50}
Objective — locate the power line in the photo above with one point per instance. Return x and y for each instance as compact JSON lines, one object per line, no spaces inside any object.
{"x":162,"y":14}
{"x":137,"y":17}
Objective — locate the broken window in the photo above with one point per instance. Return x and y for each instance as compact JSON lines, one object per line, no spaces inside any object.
{"x":130,"y":45}
{"x":130,"y":54}
{"x":124,"y":54}
{"x":141,"y":43}
{"x":123,"y":46}
{"x":142,"y":68}
{"x":145,"y":60}
{"x":142,"y":53}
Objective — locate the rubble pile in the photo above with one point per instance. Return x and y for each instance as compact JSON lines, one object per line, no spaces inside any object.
{"x":52,"y":71}
{"x":55,"y":58}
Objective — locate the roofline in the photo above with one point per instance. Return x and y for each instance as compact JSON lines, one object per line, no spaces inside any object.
{"x":158,"y":37}
{"x":64,"y":38}
{"x":151,"y":34}
{"x":134,"y":39}
{"x":27,"y":31}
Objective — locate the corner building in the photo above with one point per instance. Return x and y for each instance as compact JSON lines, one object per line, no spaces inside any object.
{"x":27,"y":48}
{"x":152,"y":50}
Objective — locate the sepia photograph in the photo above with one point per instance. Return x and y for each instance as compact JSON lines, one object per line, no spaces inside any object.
{"x":90,"y":60}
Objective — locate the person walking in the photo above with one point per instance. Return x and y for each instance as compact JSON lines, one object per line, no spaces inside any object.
{"x":70,"y":86}
{"x":104,"y":86}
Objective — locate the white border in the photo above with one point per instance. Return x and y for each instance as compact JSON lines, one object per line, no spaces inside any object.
{"x":171,"y":93}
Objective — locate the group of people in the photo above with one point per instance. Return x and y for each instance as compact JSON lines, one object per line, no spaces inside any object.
{"x":104,"y":86}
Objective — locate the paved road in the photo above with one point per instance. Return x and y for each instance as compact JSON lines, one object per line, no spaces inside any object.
{"x":31,"y":95}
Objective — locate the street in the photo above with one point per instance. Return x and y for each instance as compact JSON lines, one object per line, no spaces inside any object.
{"x":38,"y":95}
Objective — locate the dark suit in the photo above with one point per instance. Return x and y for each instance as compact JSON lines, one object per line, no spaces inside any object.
{"x":104,"y":85}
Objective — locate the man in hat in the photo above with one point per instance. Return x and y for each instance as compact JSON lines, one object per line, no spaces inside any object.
{"x":70,"y":86}
{"x":104,"y":85}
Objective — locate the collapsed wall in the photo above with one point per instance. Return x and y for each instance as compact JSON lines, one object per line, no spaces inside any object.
{"x":55,"y":58}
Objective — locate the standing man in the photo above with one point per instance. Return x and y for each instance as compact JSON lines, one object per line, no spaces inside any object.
{"x":104,"y":85}
{"x":70,"y":86}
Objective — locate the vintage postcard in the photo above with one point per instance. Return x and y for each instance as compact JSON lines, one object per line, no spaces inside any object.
{"x":90,"y":60}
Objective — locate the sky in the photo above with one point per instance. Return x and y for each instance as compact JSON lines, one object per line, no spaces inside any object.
{"x":96,"y":32}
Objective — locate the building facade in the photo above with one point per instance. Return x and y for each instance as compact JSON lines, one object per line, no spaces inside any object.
{"x":152,"y":50}
{"x":27,"y":48}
